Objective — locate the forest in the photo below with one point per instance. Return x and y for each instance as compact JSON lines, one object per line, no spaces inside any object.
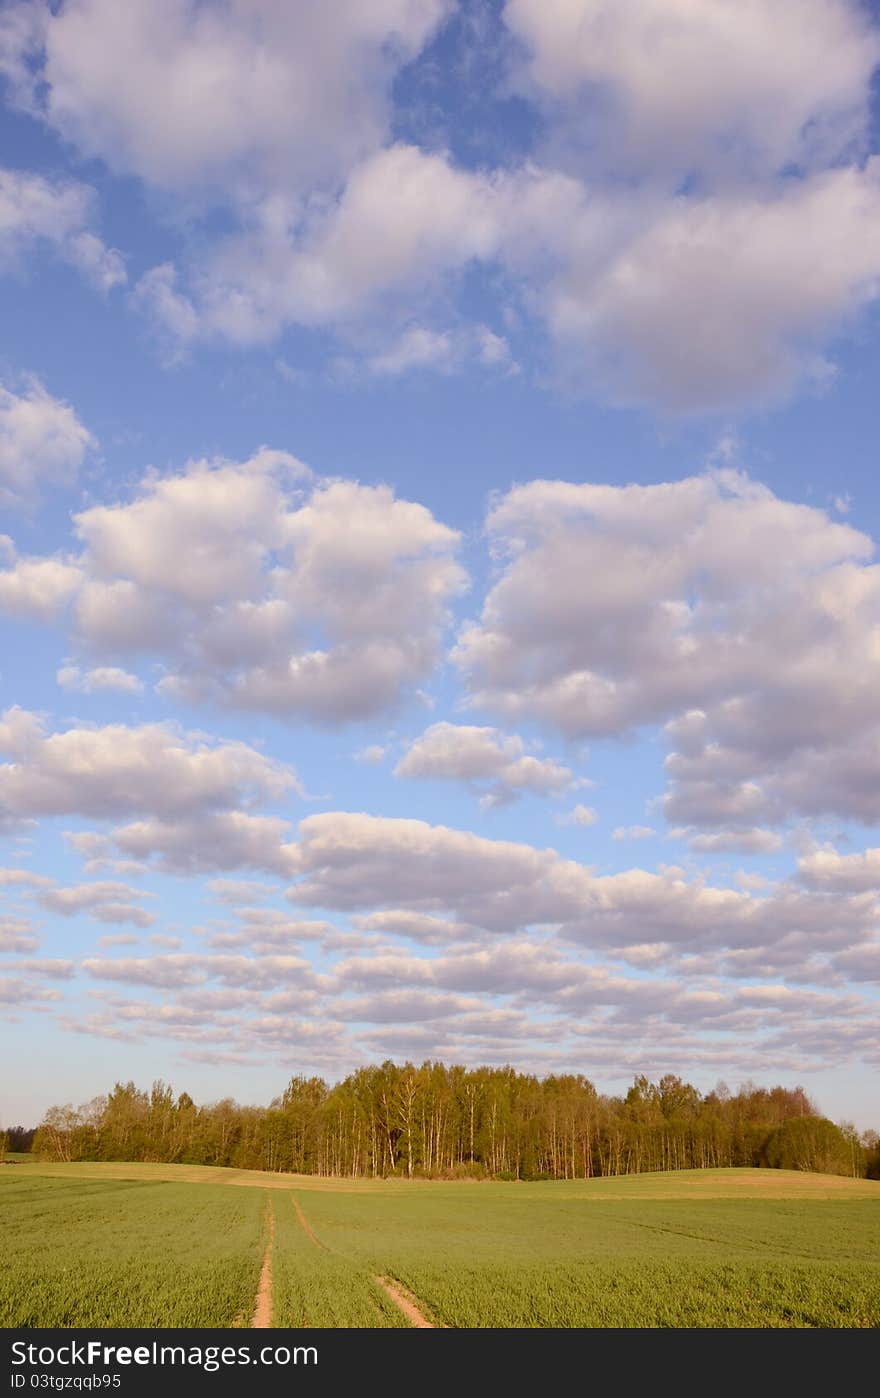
{"x":451,"y":1122}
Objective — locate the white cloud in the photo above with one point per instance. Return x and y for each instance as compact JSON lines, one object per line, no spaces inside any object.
{"x":16,"y":934}
{"x":235,"y":891}
{"x":443,"y":351}
{"x":633,"y":832}
{"x":745,"y":622}
{"x":59,"y":215}
{"x":248,"y":96}
{"x":106,"y":902}
{"x":421,"y":927}
{"x":717,"y":300}
{"x":369,"y":864}
{"x":158,"y":296}
{"x":38,"y":589}
{"x":745,"y":841}
{"x":207,"y":842}
{"x":184,"y":969}
{"x":104,"y":677}
{"x":115,"y":771}
{"x":356,"y":861}
{"x":42,"y":442}
{"x":739,"y":242}
{"x":579,"y":815}
{"x":828,"y":870}
{"x":23,"y":878}
{"x":22,"y":25}
{"x":257,"y":587}
{"x":372,"y":754}
{"x":492,"y":763}
{"x":404,"y":221}
{"x":701,"y":83}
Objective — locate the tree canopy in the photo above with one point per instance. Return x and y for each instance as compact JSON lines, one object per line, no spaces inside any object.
{"x":448,"y":1121}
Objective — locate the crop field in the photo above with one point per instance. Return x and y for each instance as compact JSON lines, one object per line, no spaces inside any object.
{"x":168,"y":1245}
{"x":87,"y":1252}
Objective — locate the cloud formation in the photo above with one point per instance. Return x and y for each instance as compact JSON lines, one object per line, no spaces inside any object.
{"x":702,"y":84}
{"x":199,"y":96}
{"x":58,"y":215}
{"x":745,"y":623}
{"x":42,"y":442}
{"x":106,"y":902}
{"x":493,"y":764}
{"x":258,"y":588}
{"x":101,"y":679}
{"x":405,"y":869}
{"x":117,"y":771}
{"x":738,"y":243}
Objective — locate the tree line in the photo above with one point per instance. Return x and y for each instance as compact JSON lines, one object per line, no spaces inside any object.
{"x":451,"y":1122}
{"x":17,"y":1138}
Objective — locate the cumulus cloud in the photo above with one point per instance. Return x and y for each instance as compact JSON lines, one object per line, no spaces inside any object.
{"x":196,"y":96}
{"x":709,"y":301}
{"x":746,"y":841}
{"x":98,"y":680}
{"x":372,"y":754}
{"x":51,"y":968}
{"x":468,"y":994}
{"x":610,"y":271}
{"x":42,"y":441}
{"x":746,"y":623}
{"x":20,"y":993}
{"x":372,"y":864}
{"x":633,"y":832}
{"x":355,"y":861}
{"x":579,"y":815}
{"x":23,"y":878}
{"x":203,"y":843}
{"x":16,"y":934}
{"x":673,"y":87}
{"x":182,"y":970}
{"x":421,"y":927}
{"x":741,"y":132}
{"x":404,"y":222}
{"x":491,"y":763}
{"x":257,"y":587}
{"x":106,"y":902}
{"x":443,"y":351}
{"x":36,"y":589}
{"x":843,"y":873}
{"x":237,"y":891}
{"x":36,"y":212}
{"x":115,"y":771}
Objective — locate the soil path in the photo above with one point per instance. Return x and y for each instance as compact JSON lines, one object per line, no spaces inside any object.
{"x":263,"y":1309}
{"x":405,"y":1302}
{"x":401,"y":1298}
{"x":307,"y":1227}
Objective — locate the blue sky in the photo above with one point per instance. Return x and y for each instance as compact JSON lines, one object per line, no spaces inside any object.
{"x":439,"y":614}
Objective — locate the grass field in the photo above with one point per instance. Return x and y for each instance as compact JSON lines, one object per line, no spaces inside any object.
{"x":158,"y":1245}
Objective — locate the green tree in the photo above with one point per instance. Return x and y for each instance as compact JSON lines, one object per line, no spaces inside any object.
{"x":810,"y":1143}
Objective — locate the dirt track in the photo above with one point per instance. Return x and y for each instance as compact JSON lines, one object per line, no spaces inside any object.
{"x":307,"y":1227}
{"x":263,"y":1309}
{"x":405,"y":1303}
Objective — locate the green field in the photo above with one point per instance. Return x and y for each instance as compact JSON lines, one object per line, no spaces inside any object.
{"x":164,"y":1245}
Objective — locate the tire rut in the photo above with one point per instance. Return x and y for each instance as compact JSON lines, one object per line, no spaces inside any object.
{"x":406,"y":1303}
{"x":262,"y":1317}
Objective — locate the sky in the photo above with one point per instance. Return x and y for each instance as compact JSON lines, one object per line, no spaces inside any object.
{"x":439,"y":601}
